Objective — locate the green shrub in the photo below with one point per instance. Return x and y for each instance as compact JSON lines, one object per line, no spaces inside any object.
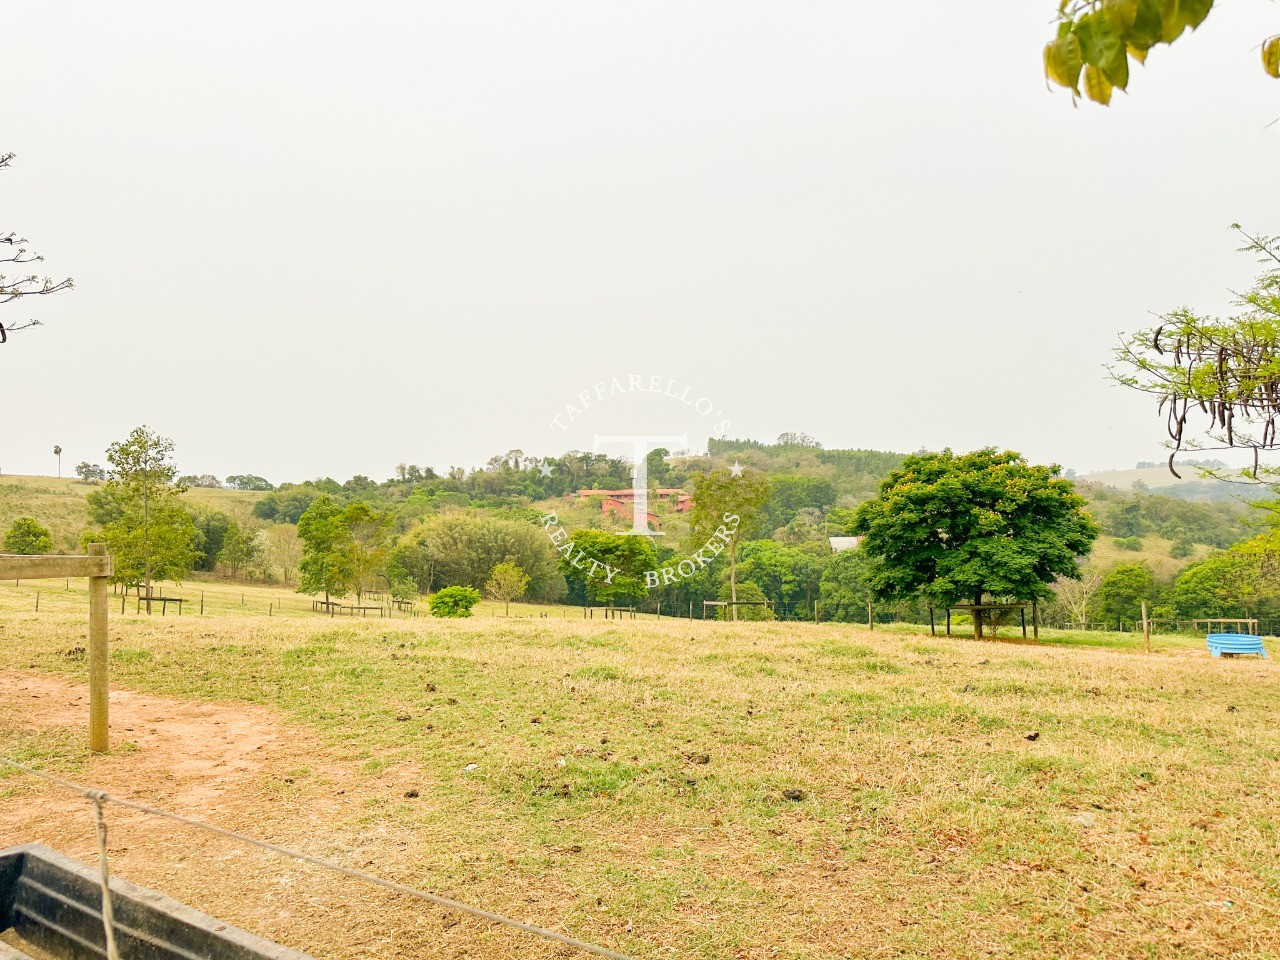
{"x":1180,"y":548}
{"x":1128,"y":543}
{"x":26,"y":536}
{"x":454,"y":601}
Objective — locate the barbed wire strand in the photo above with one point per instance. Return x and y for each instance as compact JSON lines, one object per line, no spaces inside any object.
{"x":99,"y":797}
{"x":104,"y":871}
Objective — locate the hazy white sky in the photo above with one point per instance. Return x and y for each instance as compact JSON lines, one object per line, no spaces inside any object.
{"x":320,"y":238}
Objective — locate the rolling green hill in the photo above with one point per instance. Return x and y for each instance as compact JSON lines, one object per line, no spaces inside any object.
{"x":59,"y":504}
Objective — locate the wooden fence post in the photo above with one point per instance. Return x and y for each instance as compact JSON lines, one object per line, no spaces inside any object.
{"x":871,"y":624}
{"x":98,"y":724}
{"x":1146,"y":629}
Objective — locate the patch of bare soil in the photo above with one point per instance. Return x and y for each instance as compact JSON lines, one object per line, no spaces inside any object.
{"x":188,"y":755}
{"x":233,"y":766}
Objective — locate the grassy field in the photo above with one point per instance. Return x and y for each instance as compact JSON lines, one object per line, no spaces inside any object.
{"x":1154,"y":553}
{"x":710,"y":790}
{"x":58,"y":503}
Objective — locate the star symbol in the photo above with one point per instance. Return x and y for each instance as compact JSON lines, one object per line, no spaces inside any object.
{"x":546,"y":468}
{"x":736,"y":469}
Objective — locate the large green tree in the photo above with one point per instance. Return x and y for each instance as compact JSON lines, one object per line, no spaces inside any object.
{"x":461,"y":549}
{"x":790,"y":576}
{"x":149,"y":532}
{"x":847,"y":585}
{"x":977,"y":526}
{"x":285,"y":506}
{"x":326,"y":558}
{"x":1120,"y":594}
{"x":603,"y":567}
{"x":727,"y":504}
{"x":1097,"y":40}
{"x":1240,"y":582}
{"x":366,"y":531}
{"x":27,"y":537}
{"x":241,"y":547}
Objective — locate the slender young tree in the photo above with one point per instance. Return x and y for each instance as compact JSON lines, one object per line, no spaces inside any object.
{"x":506,"y":582}
{"x":148,"y":530}
{"x":730,"y":501}
{"x":284,"y":549}
{"x":326,"y":558}
{"x":365,"y":534}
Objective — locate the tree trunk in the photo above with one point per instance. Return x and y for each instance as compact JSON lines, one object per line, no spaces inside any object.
{"x":146,"y":532}
{"x":977,"y":617}
{"x":733,"y":583}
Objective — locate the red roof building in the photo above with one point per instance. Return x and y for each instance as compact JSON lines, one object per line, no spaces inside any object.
{"x":681,"y":500}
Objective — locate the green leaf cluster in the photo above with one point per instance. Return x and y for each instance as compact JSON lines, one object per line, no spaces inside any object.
{"x":1097,"y":38}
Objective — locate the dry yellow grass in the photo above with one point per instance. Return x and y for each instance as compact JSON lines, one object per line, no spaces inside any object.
{"x":634,"y":784}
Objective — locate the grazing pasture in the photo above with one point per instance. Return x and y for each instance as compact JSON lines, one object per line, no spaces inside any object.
{"x":667,"y":788}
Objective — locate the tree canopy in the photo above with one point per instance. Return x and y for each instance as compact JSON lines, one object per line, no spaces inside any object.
{"x":603,"y":567}
{"x":973,"y":526}
{"x":461,"y":549}
{"x":28,"y":537}
{"x":1120,"y":594}
{"x":148,"y":531}
{"x":326,"y":562}
{"x":506,"y":582}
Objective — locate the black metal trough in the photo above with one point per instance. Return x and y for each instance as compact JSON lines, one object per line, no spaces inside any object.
{"x":54,"y":904}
